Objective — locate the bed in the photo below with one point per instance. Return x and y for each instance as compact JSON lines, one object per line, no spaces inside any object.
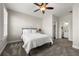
{"x":33,"y":39}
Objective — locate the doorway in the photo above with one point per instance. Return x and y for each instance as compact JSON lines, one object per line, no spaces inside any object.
{"x":55,"y":30}
{"x":65,"y":31}
{"x":54,"y":27}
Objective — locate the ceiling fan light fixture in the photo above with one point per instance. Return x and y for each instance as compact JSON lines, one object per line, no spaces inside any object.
{"x":42,"y":8}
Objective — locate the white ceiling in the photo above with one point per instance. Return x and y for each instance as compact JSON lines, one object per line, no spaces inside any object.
{"x":59,"y":10}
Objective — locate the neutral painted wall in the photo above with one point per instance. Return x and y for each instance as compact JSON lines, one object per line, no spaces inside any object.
{"x":17,"y":21}
{"x":1,"y":21}
{"x":56,"y":23}
{"x":75,"y":25}
{"x":47,"y":25}
{"x":62,"y":20}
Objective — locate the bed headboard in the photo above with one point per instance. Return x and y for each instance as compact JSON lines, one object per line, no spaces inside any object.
{"x":28,"y":29}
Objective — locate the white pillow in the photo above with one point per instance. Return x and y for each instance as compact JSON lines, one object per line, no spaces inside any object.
{"x":33,"y":31}
{"x":27,"y":31}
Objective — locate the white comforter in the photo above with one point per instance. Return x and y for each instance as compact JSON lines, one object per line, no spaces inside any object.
{"x":34,"y":40}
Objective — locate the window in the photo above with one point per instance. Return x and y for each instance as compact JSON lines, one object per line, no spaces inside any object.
{"x":5,"y":22}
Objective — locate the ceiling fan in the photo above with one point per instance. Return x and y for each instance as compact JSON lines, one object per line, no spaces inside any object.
{"x":42,"y":7}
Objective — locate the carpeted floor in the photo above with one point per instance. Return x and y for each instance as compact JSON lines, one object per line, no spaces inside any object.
{"x":61,"y":47}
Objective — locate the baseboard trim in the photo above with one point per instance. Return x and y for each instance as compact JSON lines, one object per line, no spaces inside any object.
{"x":3,"y":48}
{"x":14,"y":41}
{"x":75,"y":46}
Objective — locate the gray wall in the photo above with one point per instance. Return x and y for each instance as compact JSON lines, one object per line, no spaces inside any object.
{"x":56,"y":23}
{"x":1,"y":21}
{"x":47,"y":25}
{"x":17,"y":21}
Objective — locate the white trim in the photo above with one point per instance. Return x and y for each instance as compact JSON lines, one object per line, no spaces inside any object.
{"x":74,"y":46}
{"x":4,"y":45}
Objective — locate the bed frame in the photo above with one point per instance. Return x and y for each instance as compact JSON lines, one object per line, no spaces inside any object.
{"x":29,"y":54}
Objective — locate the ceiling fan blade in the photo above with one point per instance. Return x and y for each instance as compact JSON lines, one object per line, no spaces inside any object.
{"x":43,"y":12}
{"x":46,"y":3}
{"x":36,"y":10}
{"x":37,"y":4}
{"x":49,"y":8}
{"x":42,"y":4}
